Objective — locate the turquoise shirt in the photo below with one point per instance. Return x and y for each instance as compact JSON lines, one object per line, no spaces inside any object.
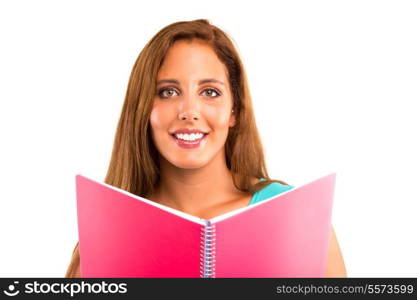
{"x":270,"y":190}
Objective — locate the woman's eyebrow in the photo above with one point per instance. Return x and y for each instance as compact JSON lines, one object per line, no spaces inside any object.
{"x":202,"y":81}
{"x":208,"y":80}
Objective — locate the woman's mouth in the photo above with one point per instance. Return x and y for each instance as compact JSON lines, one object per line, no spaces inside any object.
{"x":190,"y":141}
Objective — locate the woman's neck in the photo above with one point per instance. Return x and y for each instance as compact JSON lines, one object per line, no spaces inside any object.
{"x":197,"y":191}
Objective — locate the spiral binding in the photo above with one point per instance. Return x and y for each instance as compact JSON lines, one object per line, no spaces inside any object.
{"x":208,"y":251}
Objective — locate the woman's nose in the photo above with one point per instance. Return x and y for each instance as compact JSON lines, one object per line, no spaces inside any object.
{"x":188,"y":115}
{"x":189,"y":109}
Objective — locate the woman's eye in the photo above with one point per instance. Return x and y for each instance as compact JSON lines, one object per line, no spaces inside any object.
{"x":166,"y":93}
{"x":170,"y":92}
{"x":211,"y":91}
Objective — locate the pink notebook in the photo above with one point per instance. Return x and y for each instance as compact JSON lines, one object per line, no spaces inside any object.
{"x":124,"y":235}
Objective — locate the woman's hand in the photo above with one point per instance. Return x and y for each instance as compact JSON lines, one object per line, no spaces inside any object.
{"x":335,"y":262}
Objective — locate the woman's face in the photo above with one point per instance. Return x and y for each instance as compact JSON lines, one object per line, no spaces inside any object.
{"x":193,"y":92}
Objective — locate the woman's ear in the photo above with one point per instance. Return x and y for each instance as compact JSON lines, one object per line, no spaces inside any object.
{"x":232,"y":120}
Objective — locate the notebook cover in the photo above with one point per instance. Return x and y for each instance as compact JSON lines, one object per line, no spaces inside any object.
{"x":284,"y":236}
{"x":120,"y":236}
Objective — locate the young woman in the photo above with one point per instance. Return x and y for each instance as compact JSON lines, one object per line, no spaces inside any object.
{"x":187,"y":136}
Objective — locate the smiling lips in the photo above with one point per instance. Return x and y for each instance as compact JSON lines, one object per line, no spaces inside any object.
{"x":189,"y":140}
{"x":188,"y":131}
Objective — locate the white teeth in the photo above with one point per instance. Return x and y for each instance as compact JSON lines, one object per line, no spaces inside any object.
{"x":189,"y":137}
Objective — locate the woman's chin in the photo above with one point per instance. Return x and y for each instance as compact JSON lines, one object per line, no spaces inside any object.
{"x":189,"y":165}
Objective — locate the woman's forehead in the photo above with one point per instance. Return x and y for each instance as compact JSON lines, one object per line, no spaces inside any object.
{"x":192,"y":61}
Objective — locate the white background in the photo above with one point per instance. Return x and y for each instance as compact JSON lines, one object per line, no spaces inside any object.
{"x":334,"y":86}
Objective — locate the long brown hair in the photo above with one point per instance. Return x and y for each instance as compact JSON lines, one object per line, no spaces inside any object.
{"x":134,"y":164}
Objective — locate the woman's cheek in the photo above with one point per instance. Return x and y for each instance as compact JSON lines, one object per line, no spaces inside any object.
{"x":153,"y":118}
{"x":158,"y":117}
{"x":156,"y":121}
{"x":217,"y":117}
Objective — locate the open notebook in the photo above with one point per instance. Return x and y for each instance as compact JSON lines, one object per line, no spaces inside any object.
{"x":124,"y":235}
